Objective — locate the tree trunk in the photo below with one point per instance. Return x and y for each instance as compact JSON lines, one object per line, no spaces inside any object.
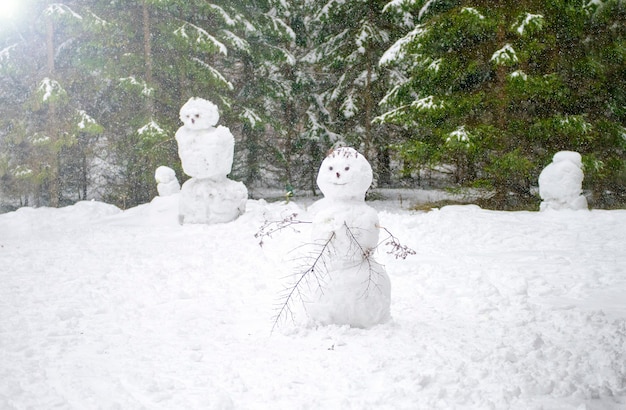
{"x":370,"y":146}
{"x":53,"y":173}
{"x":147,"y":50}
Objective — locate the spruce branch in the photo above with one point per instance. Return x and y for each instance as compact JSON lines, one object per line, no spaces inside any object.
{"x":397,"y":249}
{"x":270,"y":227}
{"x":367,"y":255}
{"x":303,"y":277}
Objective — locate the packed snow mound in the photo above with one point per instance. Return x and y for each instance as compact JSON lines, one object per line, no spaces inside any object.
{"x":560,"y":183}
{"x":123,"y":309}
{"x":32,"y":221}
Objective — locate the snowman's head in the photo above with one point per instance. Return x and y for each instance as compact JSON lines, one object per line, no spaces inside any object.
{"x":164,"y":174}
{"x":571,"y":156}
{"x":344,"y":174}
{"x":199,"y":114}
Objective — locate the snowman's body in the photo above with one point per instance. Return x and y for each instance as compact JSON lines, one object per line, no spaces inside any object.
{"x":354,"y":289}
{"x":560,"y":183}
{"x":210,"y":201}
{"x":206,"y":153}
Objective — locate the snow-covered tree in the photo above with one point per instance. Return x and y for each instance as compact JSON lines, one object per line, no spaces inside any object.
{"x":38,"y":79}
{"x":495,"y":89}
{"x":349,"y":38}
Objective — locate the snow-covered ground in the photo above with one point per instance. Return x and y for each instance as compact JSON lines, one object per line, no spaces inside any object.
{"x":108,"y":309}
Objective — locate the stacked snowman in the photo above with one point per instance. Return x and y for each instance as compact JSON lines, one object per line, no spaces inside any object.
{"x":206,"y":153}
{"x":560,"y":183}
{"x":354,"y":289}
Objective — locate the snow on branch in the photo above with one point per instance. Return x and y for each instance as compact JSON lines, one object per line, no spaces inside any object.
{"x":519,"y":74}
{"x":426,"y":103}
{"x":425,"y":8}
{"x":534,"y":22}
{"x":248,"y":115}
{"x":216,"y":74}
{"x":398,"y":50}
{"x":435,"y":65}
{"x":473,"y":11}
{"x":96,"y":20}
{"x":238,"y":42}
{"x":202,"y":36}
{"x":5,"y":53}
{"x":50,"y":89}
{"x":348,"y":107}
{"x":505,"y":56}
{"x":224,"y":15}
{"x":132,"y":81}
{"x":282,"y":27}
{"x":392,"y":115}
{"x":151,"y":128}
{"x":403,"y":9}
{"x":459,"y":136}
{"x":58,"y":9}
{"x":593,"y":6}
{"x":370,"y":34}
{"x":87,"y":123}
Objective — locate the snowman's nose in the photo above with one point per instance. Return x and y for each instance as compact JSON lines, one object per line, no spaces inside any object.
{"x":338,"y":174}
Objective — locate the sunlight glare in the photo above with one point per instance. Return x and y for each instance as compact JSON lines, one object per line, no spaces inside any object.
{"x":8,"y":8}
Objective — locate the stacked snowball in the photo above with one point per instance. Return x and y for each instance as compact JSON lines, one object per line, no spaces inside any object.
{"x":560,"y":183}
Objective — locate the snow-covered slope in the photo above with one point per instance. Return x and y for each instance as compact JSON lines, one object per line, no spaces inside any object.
{"x":104,"y":309}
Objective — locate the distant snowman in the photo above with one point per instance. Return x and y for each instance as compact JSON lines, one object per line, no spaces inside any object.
{"x":206,"y":153}
{"x":560,"y":183}
{"x":354,"y":289}
{"x":167,"y":184}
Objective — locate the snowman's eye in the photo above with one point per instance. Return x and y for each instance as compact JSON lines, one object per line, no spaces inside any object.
{"x":197,"y":115}
{"x":347,"y":168}
{"x":330,"y":168}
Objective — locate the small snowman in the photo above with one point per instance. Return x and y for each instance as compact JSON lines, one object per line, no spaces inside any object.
{"x":167,"y":184}
{"x":355,"y":289}
{"x":206,"y":153}
{"x":560,"y":183}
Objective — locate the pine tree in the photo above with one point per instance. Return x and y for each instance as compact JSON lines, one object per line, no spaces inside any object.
{"x":39,"y":147}
{"x":493,"y":90}
{"x":348,"y":41}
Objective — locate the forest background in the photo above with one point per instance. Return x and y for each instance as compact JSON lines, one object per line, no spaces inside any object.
{"x":457,"y":94}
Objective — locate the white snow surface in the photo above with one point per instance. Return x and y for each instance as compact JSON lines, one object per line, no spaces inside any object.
{"x":108,"y":309}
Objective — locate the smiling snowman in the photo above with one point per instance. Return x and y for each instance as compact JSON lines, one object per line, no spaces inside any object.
{"x":354,"y":289}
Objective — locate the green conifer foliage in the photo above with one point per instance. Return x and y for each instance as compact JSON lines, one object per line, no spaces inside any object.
{"x":494,"y":90}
